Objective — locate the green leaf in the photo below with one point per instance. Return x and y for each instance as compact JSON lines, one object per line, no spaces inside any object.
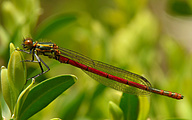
{"x":16,"y":76}
{"x":53,"y":24}
{"x":43,"y":94}
{"x":13,"y":78}
{"x":3,"y":75}
{"x":12,"y":48}
{"x":130,"y":106}
{"x":7,"y":92}
{"x":16,"y":71}
{"x":22,"y":98}
{"x":6,"y":89}
{"x":115,"y":111}
{"x":144,"y":107}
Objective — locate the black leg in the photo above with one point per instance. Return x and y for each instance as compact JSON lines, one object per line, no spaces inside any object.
{"x":32,"y":60}
{"x":31,"y":51}
{"x":24,"y":51}
{"x":39,"y":60}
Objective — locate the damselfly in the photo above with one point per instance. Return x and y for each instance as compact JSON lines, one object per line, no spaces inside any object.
{"x":108,"y":75}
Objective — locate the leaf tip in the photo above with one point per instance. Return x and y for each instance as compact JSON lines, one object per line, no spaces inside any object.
{"x":3,"y":67}
{"x":12,"y":48}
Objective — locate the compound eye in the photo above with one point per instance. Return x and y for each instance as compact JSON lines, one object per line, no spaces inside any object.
{"x":28,"y":43}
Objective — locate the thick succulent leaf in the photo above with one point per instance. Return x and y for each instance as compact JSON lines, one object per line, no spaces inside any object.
{"x":6,"y":89}
{"x":14,"y":80}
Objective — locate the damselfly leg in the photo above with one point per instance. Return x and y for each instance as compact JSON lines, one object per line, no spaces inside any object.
{"x":39,"y":60}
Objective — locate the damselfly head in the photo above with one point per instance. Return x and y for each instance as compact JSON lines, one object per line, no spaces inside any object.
{"x":28,"y":43}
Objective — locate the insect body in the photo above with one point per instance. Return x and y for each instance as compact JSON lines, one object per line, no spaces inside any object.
{"x":108,"y":75}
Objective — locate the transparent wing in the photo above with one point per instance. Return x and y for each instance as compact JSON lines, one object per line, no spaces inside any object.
{"x":110,"y":70}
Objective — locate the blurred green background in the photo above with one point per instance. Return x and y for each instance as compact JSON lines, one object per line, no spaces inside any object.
{"x":149,"y":37}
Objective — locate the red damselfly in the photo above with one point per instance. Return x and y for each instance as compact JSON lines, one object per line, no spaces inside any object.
{"x":108,"y":75}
